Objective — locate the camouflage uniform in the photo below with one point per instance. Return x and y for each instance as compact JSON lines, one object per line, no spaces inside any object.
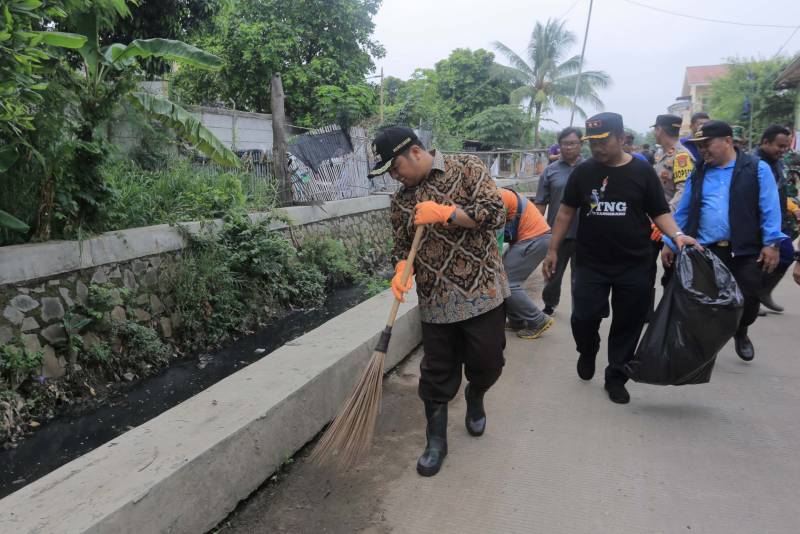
{"x":673,"y":167}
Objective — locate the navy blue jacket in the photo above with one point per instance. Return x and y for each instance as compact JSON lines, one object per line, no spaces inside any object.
{"x":744,"y":210}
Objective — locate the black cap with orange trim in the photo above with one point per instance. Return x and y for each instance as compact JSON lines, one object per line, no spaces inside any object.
{"x":388,"y":143}
{"x":710,"y":130}
{"x":602,"y":125}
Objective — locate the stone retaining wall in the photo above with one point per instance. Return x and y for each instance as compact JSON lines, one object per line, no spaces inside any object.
{"x":42,"y":286}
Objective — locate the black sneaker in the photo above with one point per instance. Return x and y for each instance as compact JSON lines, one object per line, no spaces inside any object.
{"x":548,"y":310}
{"x":617,"y":393}
{"x":586,"y":367}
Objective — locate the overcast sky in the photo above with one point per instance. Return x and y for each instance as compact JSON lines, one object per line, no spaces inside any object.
{"x":644,"y":51}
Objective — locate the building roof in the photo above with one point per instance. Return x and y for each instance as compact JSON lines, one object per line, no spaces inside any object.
{"x":790,"y":76}
{"x":703,"y":75}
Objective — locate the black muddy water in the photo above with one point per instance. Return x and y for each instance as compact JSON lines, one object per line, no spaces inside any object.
{"x":69,"y":436}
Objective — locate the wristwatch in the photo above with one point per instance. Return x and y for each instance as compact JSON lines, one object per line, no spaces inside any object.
{"x":452,"y":217}
{"x":797,"y":255}
{"x":678,"y":233}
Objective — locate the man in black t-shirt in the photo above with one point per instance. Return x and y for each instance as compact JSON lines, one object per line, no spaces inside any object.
{"x":617,"y":196}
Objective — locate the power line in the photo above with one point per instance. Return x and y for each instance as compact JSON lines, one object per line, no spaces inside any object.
{"x":567,"y":12}
{"x":787,"y":42}
{"x":706,"y":19}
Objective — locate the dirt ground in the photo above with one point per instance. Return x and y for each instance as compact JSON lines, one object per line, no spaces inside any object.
{"x":304,"y":498}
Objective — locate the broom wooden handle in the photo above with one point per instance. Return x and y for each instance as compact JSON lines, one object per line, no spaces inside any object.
{"x":406,"y":273}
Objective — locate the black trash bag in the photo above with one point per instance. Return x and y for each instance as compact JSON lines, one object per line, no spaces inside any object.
{"x":698,"y":314}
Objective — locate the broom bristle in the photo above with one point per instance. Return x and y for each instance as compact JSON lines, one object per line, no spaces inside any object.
{"x":349,"y":437}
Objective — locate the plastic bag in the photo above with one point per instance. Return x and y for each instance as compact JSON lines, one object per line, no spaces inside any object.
{"x":698,"y":314}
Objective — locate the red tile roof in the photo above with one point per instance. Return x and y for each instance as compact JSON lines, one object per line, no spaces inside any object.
{"x":702,"y":75}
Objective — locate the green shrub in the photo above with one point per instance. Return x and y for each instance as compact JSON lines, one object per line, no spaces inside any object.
{"x":142,"y":348}
{"x":178,"y":191}
{"x":374,"y":284}
{"x":331,"y":258}
{"x":227,"y":281}
{"x":207,"y":294}
{"x":269,"y":259}
{"x":17,"y":365}
{"x":97,"y":354}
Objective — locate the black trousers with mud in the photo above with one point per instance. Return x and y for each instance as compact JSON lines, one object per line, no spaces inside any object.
{"x":476,"y":344}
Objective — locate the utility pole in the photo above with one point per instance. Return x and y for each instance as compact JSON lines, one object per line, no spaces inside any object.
{"x":279,"y":158}
{"x":381,"y":92}
{"x":580,"y":65}
{"x":752,"y":78}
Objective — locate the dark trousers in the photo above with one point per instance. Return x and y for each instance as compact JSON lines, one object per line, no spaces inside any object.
{"x":747,"y":272}
{"x":551,"y":294}
{"x":477,"y":344}
{"x":629,"y":286}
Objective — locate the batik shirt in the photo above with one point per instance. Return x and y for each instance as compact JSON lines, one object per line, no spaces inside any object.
{"x":459,"y":273}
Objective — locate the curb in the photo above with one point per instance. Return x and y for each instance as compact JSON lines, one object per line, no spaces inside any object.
{"x":185,"y":470}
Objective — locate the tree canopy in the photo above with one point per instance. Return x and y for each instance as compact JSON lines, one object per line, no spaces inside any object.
{"x":549,"y":80}
{"x":499,"y":126}
{"x":469,"y":82}
{"x":754,"y":80}
{"x":311,"y":43}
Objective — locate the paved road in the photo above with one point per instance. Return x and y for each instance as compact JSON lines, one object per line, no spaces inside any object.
{"x":559,"y":457}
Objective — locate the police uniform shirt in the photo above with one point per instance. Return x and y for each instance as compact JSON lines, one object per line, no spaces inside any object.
{"x":673,"y":168}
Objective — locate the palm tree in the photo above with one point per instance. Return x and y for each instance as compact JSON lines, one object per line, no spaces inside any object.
{"x":549,"y":83}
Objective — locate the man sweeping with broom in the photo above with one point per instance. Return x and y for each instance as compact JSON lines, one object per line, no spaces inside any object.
{"x":460,"y":279}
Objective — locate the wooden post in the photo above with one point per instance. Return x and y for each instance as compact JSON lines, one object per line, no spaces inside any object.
{"x":381,"y":95}
{"x":280,"y":161}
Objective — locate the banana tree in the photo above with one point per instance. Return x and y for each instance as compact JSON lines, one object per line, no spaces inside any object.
{"x":23,"y":56}
{"x":117,"y":60}
{"x":109,"y":77}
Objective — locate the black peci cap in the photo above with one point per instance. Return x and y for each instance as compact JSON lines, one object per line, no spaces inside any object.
{"x":670,"y":123}
{"x":710,"y":130}
{"x":389,"y":143}
{"x":602,"y":125}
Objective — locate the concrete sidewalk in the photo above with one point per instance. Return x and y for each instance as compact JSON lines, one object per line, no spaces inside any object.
{"x":558,"y":456}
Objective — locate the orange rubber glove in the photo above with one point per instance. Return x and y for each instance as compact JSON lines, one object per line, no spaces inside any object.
{"x":430,"y":212}
{"x":656,"y":234}
{"x":397,"y":281}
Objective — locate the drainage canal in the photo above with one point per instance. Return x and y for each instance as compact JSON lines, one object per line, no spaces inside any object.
{"x":69,"y":436}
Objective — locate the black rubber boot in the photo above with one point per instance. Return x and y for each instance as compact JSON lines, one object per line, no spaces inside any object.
{"x":475,"y":420}
{"x":769,"y":282}
{"x":431,"y":460}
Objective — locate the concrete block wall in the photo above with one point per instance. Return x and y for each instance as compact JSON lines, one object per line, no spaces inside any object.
{"x":41,"y":284}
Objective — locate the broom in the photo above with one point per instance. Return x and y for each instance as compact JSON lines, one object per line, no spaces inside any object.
{"x":349,"y":436}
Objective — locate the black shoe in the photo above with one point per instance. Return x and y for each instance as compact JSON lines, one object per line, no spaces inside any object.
{"x":436,"y":449}
{"x":744,"y":347}
{"x":548,"y":310}
{"x":617,"y":393}
{"x":769,"y":282}
{"x":586,"y":367}
{"x":475,"y":419}
{"x":770,"y":304}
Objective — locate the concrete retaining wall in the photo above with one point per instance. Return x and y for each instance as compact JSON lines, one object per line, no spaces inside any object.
{"x":185,"y":470}
{"x":40,"y":284}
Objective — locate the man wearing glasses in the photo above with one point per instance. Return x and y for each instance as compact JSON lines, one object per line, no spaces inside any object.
{"x":548,"y":199}
{"x":730,"y":205}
